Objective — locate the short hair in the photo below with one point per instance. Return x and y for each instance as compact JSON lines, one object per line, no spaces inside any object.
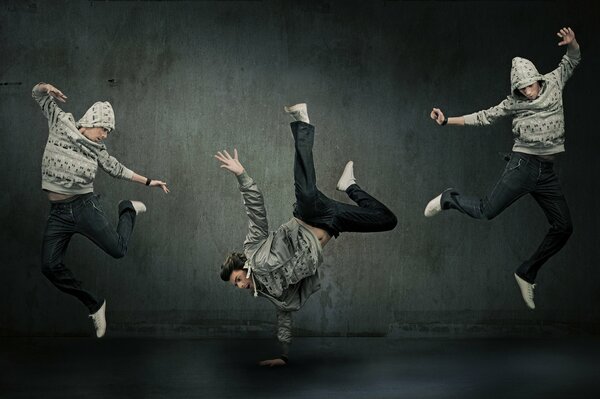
{"x":233,"y":261}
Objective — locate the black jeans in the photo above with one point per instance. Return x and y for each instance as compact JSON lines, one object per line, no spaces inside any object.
{"x":314,"y":208}
{"x":523,"y":174}
{"x":84,"y":215}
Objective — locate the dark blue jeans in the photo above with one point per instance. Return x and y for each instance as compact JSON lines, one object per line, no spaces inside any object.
{"x":84,"y":215}
{"x":316,"y":209}
{"x":523,"y":174}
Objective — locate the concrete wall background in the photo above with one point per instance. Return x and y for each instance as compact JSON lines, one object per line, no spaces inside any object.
{"x":189,"y":78}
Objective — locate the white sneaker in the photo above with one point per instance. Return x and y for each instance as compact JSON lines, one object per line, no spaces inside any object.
{"x":99,"y":319}
{"x":298,"y":112}
{"x":433,"y":207}
{"x":138,"y":206}
{"x":526,"y":291}
{"x":347,"y":178}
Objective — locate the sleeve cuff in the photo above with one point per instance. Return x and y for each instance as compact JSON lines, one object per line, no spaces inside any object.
{"x":37,"y":93}
{"x":574,"y":53}
{"x":285,"y":348}
{"x":127,"y":173}
{"x":470,"y":119}
{"x":244,"y":180}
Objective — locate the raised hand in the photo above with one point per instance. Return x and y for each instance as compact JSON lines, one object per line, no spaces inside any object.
{"x":567,"y":36}
{"x":54,"y":92}
{"x":230,"y":163}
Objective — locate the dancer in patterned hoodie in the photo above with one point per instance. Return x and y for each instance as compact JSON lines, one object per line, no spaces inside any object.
{"x":536,"y":107}
{"x":283,"y":265}
{"x":74,"y":151}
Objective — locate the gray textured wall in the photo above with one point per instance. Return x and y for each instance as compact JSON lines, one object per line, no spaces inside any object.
{"x":190,"y":78}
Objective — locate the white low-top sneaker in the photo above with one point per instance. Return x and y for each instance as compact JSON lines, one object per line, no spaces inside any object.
{"x":138,"y":206}
{"x":347,"y":179}
{"x":299,"y":112}
{"x":99,"y":319}
{"x":433,"y":207}
{"x":526,"y":291}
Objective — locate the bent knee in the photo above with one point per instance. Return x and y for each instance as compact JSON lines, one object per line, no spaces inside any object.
{"x":566,"y":230}
{"x":47,"y":270}
{"x":488,"y":211}
{"x":50,"y":270}
{"x":391,"y":221}
{"x":118,"y":254}
{"x":489,"y":214}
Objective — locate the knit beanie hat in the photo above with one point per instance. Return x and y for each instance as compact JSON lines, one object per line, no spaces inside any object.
{"x":100,"y":114}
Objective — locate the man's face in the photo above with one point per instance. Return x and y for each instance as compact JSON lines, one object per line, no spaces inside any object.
{"x":96,"y":134}
{"x":532,"y":91}
{"x":238,"y":279}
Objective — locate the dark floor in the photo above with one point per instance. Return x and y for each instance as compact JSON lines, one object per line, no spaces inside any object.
{"x":320,"y":368}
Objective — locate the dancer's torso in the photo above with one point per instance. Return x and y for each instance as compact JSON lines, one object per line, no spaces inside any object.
{"x":52,"y":196}
{"x":322,"y":235}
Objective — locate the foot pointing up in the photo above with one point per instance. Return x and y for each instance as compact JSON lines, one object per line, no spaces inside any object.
{"x":347,"y":178}
{"x":298,"y":112}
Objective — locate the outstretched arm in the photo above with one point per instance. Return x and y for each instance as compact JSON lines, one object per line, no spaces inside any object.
{"x":258,"y":227}
{"x":116,"y":169}
{"x":284,"y":336}
{"x":150,"y":182}
{"x":480,"y":118}
{"x":571,"y":59}
{"x":438,"y":116}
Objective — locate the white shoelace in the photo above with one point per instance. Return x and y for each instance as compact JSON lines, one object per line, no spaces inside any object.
{"x":96,"y":320}
{"x":530,"y":289}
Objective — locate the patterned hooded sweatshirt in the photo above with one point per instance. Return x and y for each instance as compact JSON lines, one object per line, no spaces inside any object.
{"x":538,"y":125}
{"x":70,"y":160}
{"x":283,"y":263}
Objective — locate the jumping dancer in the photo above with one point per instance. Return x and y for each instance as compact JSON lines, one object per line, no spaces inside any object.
{"x":283,"y":265}
{"x":535,"y":105}
{"x":73,"y":152}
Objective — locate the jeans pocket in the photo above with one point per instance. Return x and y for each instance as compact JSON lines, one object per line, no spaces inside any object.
{"x":505,"y":155}
{"x":96,"y":205}
{"x":513,"y":164}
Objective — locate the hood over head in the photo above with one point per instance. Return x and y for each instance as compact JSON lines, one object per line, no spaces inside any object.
{"x":522,"y":74}
{"x":100,"y":114}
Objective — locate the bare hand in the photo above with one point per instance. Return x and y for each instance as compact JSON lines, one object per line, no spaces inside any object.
{"x":231,"y":164}
{"x":567,"y":35}
{"x":161,"y":184}
{"x":437,"y":115}
{"x":272,"y":363}
{"x":54,"y":92}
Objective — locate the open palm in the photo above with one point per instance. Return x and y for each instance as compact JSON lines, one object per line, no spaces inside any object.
{"x":230,"y":163}
{"x":567,"y":35}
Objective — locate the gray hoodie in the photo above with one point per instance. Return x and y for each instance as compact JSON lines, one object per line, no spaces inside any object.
{"x":538,"y":125}
{"x":283,"y":263}
{"x":70,"y":160}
